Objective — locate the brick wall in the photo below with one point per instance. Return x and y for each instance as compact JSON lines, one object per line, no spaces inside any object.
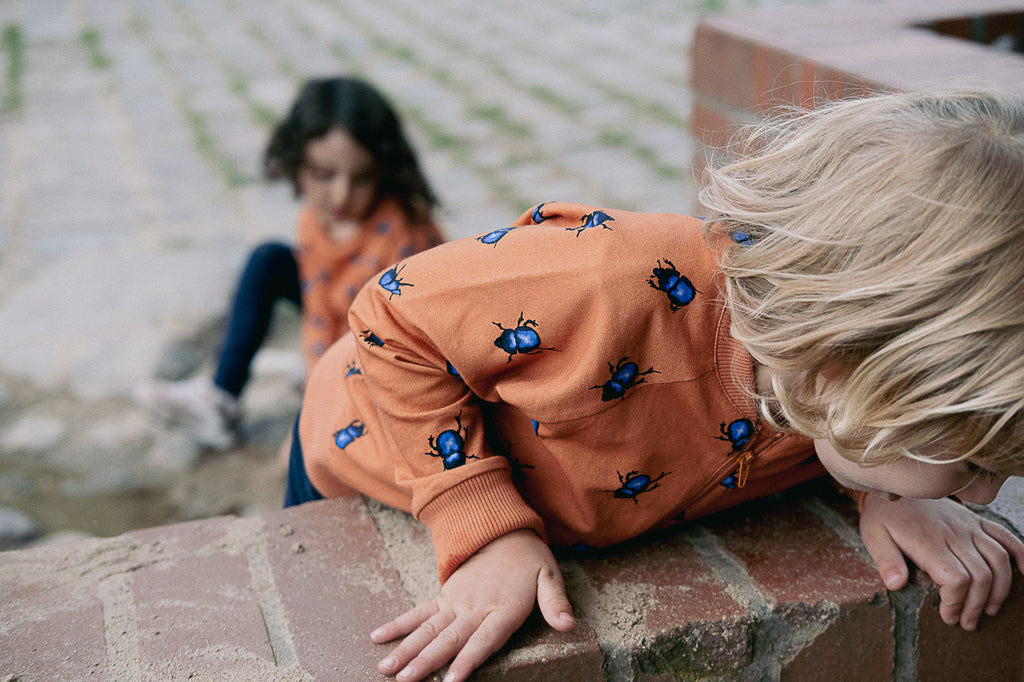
{"x":747,"y":63}
{"x":779,"y":589}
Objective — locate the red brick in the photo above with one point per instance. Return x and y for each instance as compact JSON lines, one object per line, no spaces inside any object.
{"x":51,"y":626}
{"x":537,"y":652}
{"x":723,"y":67}
{"x":777,"y":76}
{"x":995,"y":651}
{"x":196,"y":612}
{"x":812,"y":579}
{"x":792,"y":557}
{"x":710,"y":128}
{"x":336,"y":583}
{"x":189,"y":536}
{"x":856,"y":637}
{"x":682,"y":619}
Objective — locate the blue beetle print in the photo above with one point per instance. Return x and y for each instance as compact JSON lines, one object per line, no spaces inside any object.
{"x":450,"y":368}
{"x":738,"y":433}
{"x":351,"y":370}
{"x":391,"y":282}
{"x":494,"y":236}
{"x":595,"y":219}
{"x":634,"y":484}
{"x":741,"y":238}
{"x":344,"y":437}
{"x":518,"y":468}
{"x":624,"y":375}
{"x":538,"y":214}
{"x":451,"y":445}
{"x":520,"y":339}
{"x":679,"y":289}
{"x":729,"y":481}
{"x":536,"y":426}
{"x":370,"y":338}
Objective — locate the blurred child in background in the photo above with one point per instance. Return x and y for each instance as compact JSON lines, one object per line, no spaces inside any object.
{"x":366,"y":206}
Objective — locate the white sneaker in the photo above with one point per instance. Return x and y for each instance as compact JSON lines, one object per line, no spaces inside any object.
{"x":207,"y":413}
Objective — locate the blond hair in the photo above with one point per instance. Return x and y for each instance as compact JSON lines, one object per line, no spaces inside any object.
{"x":880,"y":242}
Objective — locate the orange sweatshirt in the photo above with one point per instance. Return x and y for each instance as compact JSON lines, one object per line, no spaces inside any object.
{"x":572,"y":373}
{"x":332,"y":272}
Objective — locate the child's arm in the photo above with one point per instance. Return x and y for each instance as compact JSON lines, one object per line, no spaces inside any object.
{"x":486,"y":599}
{"x":966,"y":555}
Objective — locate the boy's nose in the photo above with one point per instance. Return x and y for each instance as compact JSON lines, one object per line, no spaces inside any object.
{"x":339,"y":191}
{"x":982,"y":491}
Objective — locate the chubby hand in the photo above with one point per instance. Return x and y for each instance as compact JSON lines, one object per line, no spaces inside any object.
{"x":484,"y":601}
{"x":966,"y":555}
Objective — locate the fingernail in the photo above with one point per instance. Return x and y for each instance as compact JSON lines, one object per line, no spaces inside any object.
{"x":377,"y":634}
{"x":450,"y":677}
{"x":992,"y":610}
{"x":406,"y":674}
{"x":388,"y":663}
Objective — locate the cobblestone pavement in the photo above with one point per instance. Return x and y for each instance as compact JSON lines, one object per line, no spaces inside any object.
{"x":130,"y":136}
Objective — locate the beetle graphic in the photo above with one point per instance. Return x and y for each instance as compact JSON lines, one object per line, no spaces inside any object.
{"x":370,"y":338}
{"x":538,"y":216}
{"x":678,"y":288}
{"x":494,"y":236}
{"x":392,"y":283}
{"x":518,"y":468}
{"x":625,"y":375}
{"x":450,"y":368}
{"x":351,"y":369}
{"x":595,"y":219}
{"x":633,"y":484}
{"x":738,"y":433}
{"x":519,"y":339}
{"x":344,"y":437}
{"x":729,"y":481}
{"x":741,"y":238}
{"x":451,"y":445}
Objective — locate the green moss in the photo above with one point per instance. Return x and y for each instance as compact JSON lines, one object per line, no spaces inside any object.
{"x":14,"y":46}
{"x":97,"y":58}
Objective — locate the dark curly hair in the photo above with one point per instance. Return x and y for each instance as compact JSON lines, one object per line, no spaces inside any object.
{"x":325,"y":103}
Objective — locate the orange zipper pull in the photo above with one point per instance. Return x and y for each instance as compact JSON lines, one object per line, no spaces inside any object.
{"x":744,"y":468}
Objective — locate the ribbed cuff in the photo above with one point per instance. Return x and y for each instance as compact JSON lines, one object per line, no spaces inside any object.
{"x":470,"y":515}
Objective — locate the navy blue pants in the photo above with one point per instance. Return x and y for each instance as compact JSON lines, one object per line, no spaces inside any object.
{"x":298,"y":487}
{"x":271,"y":274}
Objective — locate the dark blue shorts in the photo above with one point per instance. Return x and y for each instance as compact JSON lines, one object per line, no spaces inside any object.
{"x":298,"y":488}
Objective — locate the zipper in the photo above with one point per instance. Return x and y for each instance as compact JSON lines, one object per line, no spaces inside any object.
{"x":743,"y":467}
{"x":740,"y":466}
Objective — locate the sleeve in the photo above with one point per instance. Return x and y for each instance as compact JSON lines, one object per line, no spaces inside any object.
{"x":435,"y":334}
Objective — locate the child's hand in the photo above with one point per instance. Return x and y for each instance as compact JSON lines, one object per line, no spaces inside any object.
{"x":486,"y":599}
{"x":966,"y":555}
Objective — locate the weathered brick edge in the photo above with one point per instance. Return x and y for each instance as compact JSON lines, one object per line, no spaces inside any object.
{"x":776,"y":589}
